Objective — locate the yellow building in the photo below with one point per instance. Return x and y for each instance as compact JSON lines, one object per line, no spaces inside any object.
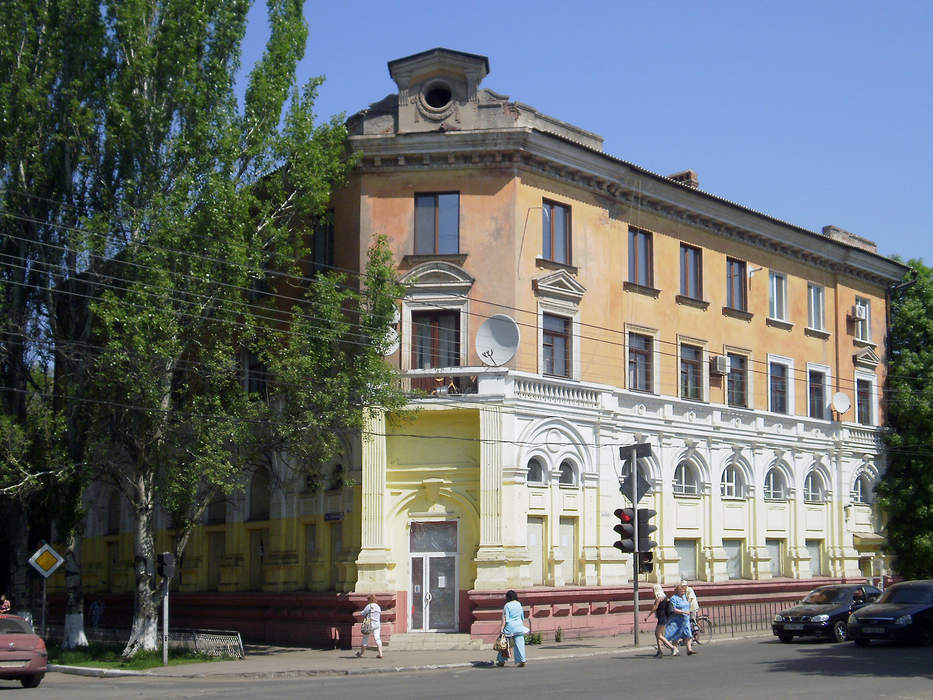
{"x":561,"y":303}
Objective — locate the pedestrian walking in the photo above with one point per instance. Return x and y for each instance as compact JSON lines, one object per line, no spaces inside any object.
{"x":513,"y":627}
{"x":661,"y":611}
{"x":5,"y":604}
{"x":678,"y":626}
{"x":370,"y":628}
{"x":691,"y":598}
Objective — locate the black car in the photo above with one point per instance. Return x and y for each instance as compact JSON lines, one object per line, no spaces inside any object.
{"x":823,"y":613}
{"x":904,"y":612}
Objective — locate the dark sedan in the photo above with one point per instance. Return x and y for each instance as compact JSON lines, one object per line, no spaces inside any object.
{"x":823,"y":613}
{"x":904,"y":612}
{"x":22,"y":652}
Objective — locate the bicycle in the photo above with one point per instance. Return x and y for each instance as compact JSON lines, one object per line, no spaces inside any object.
{"x":701,"y":627}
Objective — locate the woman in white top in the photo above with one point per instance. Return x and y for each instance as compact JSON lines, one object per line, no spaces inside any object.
{"x":374,"y":613}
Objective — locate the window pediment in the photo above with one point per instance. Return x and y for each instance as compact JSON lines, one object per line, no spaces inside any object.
{"x":866,"y":357}
{"x":559,"y":285}
{"x":438,"y":277}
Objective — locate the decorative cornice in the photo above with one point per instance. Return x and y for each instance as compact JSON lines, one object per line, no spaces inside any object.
{"x":621,"y":183}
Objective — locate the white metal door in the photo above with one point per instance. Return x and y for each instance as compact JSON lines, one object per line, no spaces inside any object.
{"x":434,"y":577}
{"x":815,"y":547}
{"x":568,"y":549}
{"x":733,"y":550}
{"x":687,"y":551}
{"x":536,"y":549}
{"x":776,"y":552}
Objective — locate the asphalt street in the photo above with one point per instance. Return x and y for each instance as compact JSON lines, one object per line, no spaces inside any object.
{"x":755,"y":668}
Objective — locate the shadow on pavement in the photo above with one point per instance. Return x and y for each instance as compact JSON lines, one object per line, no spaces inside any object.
{"x":847,"y":659}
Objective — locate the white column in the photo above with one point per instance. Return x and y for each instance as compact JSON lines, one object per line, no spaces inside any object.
{"x":490,"y":557}
{"x":374,"y":563}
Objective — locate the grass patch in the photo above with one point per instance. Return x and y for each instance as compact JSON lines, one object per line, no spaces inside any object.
{"x":103,"y":655}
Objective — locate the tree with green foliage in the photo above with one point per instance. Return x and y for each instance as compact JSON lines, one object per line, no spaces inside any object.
{"x":905,"y":492}
{"x":194,"y":218}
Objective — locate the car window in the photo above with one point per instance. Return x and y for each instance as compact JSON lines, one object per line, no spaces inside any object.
{"x":11,"y":626}
{"x":907,"y":595}
{"x":823,"y":596}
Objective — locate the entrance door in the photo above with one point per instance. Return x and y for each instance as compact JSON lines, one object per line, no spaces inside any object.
{"x":776,"y":552}
{"x":568,"y":549}
{"x":434,"y":583}
{"x":815,"y":548}
{"x":687,"y":551}
{"x":733,"y":549}
{"x":258,"y":541}
{"x":536,"y":549}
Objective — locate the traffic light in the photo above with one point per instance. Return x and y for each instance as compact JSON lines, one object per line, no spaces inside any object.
{"x":644,"y":562}
{"x":166,"y":564}
{"x":626,"y":529}
{"x":645,"y":528}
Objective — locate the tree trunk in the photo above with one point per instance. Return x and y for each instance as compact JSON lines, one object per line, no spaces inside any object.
{"x":144,"y":633}
{"x":19,"y":561}
{"x":74,"y":604}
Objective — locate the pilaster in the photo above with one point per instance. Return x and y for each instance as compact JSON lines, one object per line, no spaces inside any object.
{"x":491,"y":565}
{"x":374,"y":564}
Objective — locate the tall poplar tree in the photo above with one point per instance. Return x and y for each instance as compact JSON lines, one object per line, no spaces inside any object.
{"x":905,"y":493}
{"x":195,"y":215}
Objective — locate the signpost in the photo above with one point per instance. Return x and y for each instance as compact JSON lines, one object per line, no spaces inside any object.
{"x":633,"y":486}
{"x":46,"y":560}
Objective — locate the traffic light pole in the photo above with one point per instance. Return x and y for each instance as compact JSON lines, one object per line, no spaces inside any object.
{"x":165,"y":622}
{"x":633,"y":497}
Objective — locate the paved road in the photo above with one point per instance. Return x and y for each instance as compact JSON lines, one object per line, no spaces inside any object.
{"x":757,"y":668}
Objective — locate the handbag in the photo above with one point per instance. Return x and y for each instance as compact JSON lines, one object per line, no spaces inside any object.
{"x":501,"y":644}
{"x":367,"y":626}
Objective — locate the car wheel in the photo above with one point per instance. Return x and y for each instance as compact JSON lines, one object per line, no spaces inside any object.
{"x":786,"y":638}
{"x":861,"y":641}
{"x":839,"y":631}
{"x":32,"y":681}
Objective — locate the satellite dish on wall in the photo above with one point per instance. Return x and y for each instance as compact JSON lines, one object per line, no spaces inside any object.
{"x":497,"y":340}
{"x":390,"y":343}
{"x":841,"y":402}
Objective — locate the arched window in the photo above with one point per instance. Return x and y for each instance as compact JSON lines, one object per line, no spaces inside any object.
{"x":685,"y":480}
{"x":861,"y":490}
{"x":568,"y":475}
{"x":535,"y":471}
{"x":113,"y":513}
{"x":260,"y":498}
{"x":813,"y":491}
{"x":732,"y":484}
{"x":774,"y":485}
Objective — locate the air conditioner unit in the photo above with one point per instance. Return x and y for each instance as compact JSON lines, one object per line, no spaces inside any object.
{"x":720,"y":364}
{"x":859,"y":312}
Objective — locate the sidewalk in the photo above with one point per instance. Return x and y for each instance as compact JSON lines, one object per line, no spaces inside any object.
{"x":289,"y":662}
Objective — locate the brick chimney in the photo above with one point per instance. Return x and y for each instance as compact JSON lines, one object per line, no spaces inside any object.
{"x":686,"y":177}
{"x":843,"y":236}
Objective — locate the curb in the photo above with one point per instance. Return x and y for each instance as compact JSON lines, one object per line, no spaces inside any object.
{"x":308,"y":673}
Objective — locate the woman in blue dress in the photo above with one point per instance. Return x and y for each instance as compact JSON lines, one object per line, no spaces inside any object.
{"x":678,"y":627}
{"x":513,"y":627}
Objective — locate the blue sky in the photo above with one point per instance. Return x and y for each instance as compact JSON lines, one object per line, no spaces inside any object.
{"x":813,"y":112}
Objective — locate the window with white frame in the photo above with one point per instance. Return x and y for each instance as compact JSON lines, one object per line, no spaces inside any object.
{"x":813,"y":490}
{"x":737,"y":381}
{"x":861,"y":490}
{"x":862,"y":319}
{"x":535,"y":471}
{"x":864,"y":400}
{"x":778,"y":386}
{"x":686,"y":482}
{"x":732,"y":484}
{"x":816,"y":393}
{"x":568,"y":474}
{"x":777,"y":308}
{"x":556,"y":345}
{"x":774,"y":487}
{"x":691,"y":372}
{"x":640,"y":353}
{"x":815,"y":307}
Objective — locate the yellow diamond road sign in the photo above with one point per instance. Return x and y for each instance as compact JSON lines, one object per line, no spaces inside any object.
{"x":46,"y":560}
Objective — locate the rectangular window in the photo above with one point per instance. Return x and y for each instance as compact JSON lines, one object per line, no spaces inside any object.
{"x":816,"y":394}
{"x":555,"y":245}
{"x":862,"y":319}
{"x":640,"y":258}
{"x":639,"y":361}
{"x":737,"y":381}
{"x":691,"y":272}
{"x":322,"y":244}
{"x":691,"y":372}
{"x":777,"y":308}
{"x":556,"y":345}
{"x":437,"y":223}
{"x":863,"y":391}
{"x":435,"y":339}
{"x":736,"y":287}
{"x":815,"y":308}
{"x":778,"y":378}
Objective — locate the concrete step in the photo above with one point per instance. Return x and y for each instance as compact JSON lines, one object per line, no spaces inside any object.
{"x":434,"y":641}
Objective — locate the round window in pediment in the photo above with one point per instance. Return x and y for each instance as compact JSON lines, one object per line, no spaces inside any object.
{"x":438,"y":96}
{"x":436,"y":99}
